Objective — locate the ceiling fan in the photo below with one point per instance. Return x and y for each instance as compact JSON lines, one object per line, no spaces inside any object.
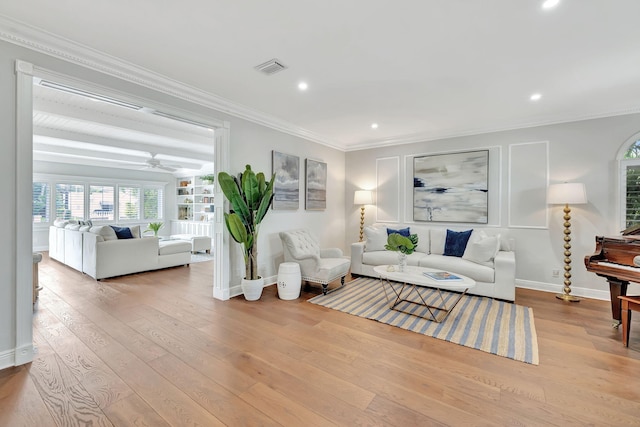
{"x":153,"y":163}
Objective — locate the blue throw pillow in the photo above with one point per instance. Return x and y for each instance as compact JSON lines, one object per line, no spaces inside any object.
{"x":456,"y":242}
{"x":122,"y":232}
{"x":403,"y":231}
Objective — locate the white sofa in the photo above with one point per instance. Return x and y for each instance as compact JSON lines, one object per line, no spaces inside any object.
{"x":489,"y":256}
{"x":98,"y":252}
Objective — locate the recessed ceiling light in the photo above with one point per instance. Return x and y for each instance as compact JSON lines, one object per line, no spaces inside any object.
{"x":374,"y":126}
{"x":550,"y":4}
{"x":302,"y":86}
{"x":535,"y":97}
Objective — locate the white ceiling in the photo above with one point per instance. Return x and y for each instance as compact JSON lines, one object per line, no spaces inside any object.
{"x":78,"y":129}
{"x":421,"y":69}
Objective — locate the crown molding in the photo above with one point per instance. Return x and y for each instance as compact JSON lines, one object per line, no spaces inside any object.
{"x":426,"y":137}
{"x":33,"y":38}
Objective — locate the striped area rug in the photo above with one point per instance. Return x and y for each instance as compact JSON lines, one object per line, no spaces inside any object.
{"x":485,"y":324}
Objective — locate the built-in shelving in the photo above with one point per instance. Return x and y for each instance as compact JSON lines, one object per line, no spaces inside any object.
{"x":194,"y":199}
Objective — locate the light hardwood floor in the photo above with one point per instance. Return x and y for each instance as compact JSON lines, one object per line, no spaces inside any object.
{"x":154,"y":349}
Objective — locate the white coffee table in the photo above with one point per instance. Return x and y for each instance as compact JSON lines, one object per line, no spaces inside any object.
{"x":412,"y":282}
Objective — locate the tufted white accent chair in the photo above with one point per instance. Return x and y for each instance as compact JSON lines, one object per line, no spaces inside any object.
{"x":316,"y":265}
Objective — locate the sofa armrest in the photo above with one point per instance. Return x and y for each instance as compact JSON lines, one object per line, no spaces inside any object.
{"x":331,"y":253}
{"x":505,"y":275}
{"x":357,"y":250}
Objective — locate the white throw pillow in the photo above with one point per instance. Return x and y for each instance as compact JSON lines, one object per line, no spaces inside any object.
{"x":135,"y":231}
{"x":74,"y":227}
{"x":438,"y":238}
{"x":105,"y":231}
{"x":376,"y":238}
{"x":482,"y":249}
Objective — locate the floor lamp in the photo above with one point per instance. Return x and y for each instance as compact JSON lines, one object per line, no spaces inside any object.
{"x":362,"y":197}
{"x":566,"y":194}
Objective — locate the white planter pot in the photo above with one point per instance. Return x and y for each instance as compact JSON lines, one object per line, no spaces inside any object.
{"x":252,"y":289}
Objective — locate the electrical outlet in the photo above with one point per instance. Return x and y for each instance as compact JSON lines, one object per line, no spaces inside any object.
{"x":555,"y":273}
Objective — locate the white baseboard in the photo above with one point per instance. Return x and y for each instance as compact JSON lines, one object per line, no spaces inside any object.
{"x":7,"y":359}
{"x":236,"y":290}
{"x":552,"y":287}
{"x":16,"y":357}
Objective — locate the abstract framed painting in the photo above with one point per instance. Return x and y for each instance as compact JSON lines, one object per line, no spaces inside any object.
{"x":286,"y":186}
{"x":451,"y":187}
{"x":316,"y":185}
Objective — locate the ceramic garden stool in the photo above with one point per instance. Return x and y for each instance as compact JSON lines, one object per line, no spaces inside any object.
{"x":289,"y":280}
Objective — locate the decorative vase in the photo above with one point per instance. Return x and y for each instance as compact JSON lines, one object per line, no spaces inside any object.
{"x":252,"y":289}
{"x":402,"y":261}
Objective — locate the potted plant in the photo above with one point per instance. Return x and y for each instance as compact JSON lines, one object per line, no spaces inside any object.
{"x":250,"y":196}
{"x":403,"y":245}
{"x":207,"y":179}
{"x":155,"y":227}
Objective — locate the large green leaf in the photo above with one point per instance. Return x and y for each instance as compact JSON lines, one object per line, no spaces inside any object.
{"x":236,"y":228}
{"x":228,"y":185}
{"x":250,"y":188}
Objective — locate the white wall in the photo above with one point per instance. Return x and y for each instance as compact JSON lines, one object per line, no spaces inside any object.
{"x":253,"y":144}
{"x":578,"y":152}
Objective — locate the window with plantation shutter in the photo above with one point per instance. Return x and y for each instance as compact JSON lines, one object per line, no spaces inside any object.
{"x":153,"y":201}
{"x":128,"y":203}
{"x":70,"y":201}
{"x":631,"y":185}
{"x":41,"y":202}
{"x":101,"y":202}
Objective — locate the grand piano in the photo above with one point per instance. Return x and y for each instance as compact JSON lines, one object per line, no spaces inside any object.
{"x":617,"y":259}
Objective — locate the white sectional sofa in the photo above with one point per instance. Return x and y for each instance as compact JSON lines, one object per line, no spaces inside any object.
{"x":488,"y":258}
{"x":98,"y":252}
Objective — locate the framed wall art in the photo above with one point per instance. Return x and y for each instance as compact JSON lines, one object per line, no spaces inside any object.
{"x":451,"y":187}
{"x":316,"y":185}
{"x":286,"y":186}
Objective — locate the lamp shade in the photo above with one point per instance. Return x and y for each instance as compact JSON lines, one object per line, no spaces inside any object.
{"x":362,"y":197}
{"x":572,"y":193}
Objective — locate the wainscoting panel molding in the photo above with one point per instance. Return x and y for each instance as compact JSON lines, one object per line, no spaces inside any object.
{"x":388,"y":189}
{"x":528,"y":180}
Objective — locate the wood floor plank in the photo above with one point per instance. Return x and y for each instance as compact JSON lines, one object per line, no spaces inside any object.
{"x":68,"y":402}
{"x":285,"y":410}
{"x":20,"y":402}
{"x":155,"y":349}
{"x":133,"y":411}
{"x":224,"y":404}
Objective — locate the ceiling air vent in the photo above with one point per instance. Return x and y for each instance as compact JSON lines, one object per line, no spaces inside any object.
{"x":271,"y":67}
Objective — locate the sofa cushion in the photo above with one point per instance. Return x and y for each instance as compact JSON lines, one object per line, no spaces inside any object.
{"x":403,"y":231}
{"x":456,"y":242}
{"x":482,"y":248}
{"x":122,"y":232}
{"x":480,"y":273}
{"x":376,"y":238}
{"x":105,"y":231}
{"x":169,"y":247}
{"x":84,"y":228}
{"x":389,"y":258}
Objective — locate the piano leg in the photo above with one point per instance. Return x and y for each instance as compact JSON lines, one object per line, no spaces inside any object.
{"x":617,"y":288}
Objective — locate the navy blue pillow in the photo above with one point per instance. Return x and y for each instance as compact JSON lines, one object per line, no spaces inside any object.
{"x":456,"y":242}
{"x":403,"y":231}
{"x":122,"y":232}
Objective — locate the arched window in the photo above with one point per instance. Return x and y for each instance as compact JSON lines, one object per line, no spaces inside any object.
{"x":630,"y":185}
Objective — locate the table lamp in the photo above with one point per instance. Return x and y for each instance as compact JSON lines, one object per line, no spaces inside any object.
{"x":565,"y":194}
{"x":362,"y":197}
